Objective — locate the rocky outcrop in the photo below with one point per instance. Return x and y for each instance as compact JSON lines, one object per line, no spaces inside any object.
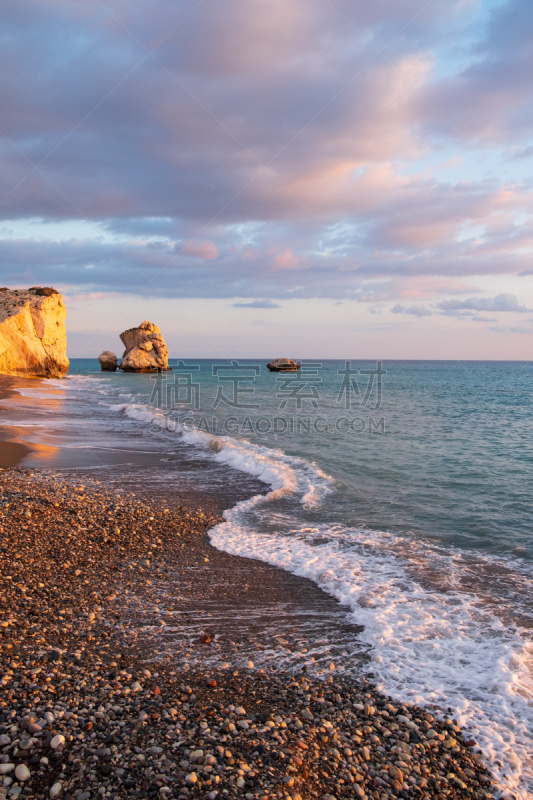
{"x":108,"y":361}
{"x":33,"y":339}
{"x":145,"y":351}
{"x":283,"y":365}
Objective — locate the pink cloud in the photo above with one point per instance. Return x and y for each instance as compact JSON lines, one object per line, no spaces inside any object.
{"x":207,"y":250}
{"x":286,"y":260}
{"x":270,"y":137}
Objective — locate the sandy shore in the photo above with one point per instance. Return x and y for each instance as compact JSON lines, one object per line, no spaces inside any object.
{"x":14,"y":444}
{"x":100,"y":701}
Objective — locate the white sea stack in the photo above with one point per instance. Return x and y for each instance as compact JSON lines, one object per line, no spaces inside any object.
{"x":33,"y":339}
{"x":145,"y":351}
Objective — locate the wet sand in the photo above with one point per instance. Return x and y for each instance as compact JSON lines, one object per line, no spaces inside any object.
{"x":14,"y":444}
{"x":11,"y":452}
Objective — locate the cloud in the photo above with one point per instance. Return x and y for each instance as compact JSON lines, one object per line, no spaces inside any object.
{"x":265,"y":138}
{"x":490,"y":98}
{"x":502,"y":302}
{"x":257,"y":304}
{"x":511,"y":329}
{"x":286,"y":260}
{"x":416,"y":311}
{"x":206,"y":250}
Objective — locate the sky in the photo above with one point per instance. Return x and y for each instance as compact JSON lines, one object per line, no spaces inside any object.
{"x":300,"y":178}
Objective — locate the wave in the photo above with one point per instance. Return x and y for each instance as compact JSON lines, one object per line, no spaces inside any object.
{"x":430,"y":640}
{"x":286,"y":475}
{"x":426,"y":646}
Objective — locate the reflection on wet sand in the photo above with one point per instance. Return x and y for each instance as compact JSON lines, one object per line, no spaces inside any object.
{"x":15,"y":441}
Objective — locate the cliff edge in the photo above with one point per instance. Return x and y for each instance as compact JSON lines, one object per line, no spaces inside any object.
{"x":33,"y":339}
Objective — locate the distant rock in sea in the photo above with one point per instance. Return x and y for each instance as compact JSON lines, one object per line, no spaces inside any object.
{"x":33,"y":339}
{"x":145,"y":351}
{"x":283,"y":365}
{"x":108,"y":361}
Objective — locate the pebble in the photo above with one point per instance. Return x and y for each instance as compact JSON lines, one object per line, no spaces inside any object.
{"x":57,"y":741}
{"x":22,"y":772}
{"x":105,"y":719}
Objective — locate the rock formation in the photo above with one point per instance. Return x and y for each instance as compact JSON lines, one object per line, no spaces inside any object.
{"x":145,"y":351}
{"x":283,"y":365}
{"x":108,"y":361}
{"x":33,"y":339}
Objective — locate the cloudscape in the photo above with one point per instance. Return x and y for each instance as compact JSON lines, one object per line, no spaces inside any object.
{"x":342,"y":178}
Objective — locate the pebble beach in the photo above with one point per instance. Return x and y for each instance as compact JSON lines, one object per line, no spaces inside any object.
{"x":89,"y":709}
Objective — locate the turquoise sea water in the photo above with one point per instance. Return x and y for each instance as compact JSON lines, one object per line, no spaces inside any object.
{"x":448,"y":454}
{"x":405,"y":494}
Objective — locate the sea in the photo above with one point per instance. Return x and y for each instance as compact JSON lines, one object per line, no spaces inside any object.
{"x":401,"y":488}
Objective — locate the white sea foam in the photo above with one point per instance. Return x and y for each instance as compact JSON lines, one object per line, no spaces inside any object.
{"x":286,"y":475}
{"x":427,"y":646}
{"x":35,"y":394}
{"x":138,"y":412}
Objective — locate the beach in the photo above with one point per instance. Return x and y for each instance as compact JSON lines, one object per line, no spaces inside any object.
{"x":99,"y":702}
